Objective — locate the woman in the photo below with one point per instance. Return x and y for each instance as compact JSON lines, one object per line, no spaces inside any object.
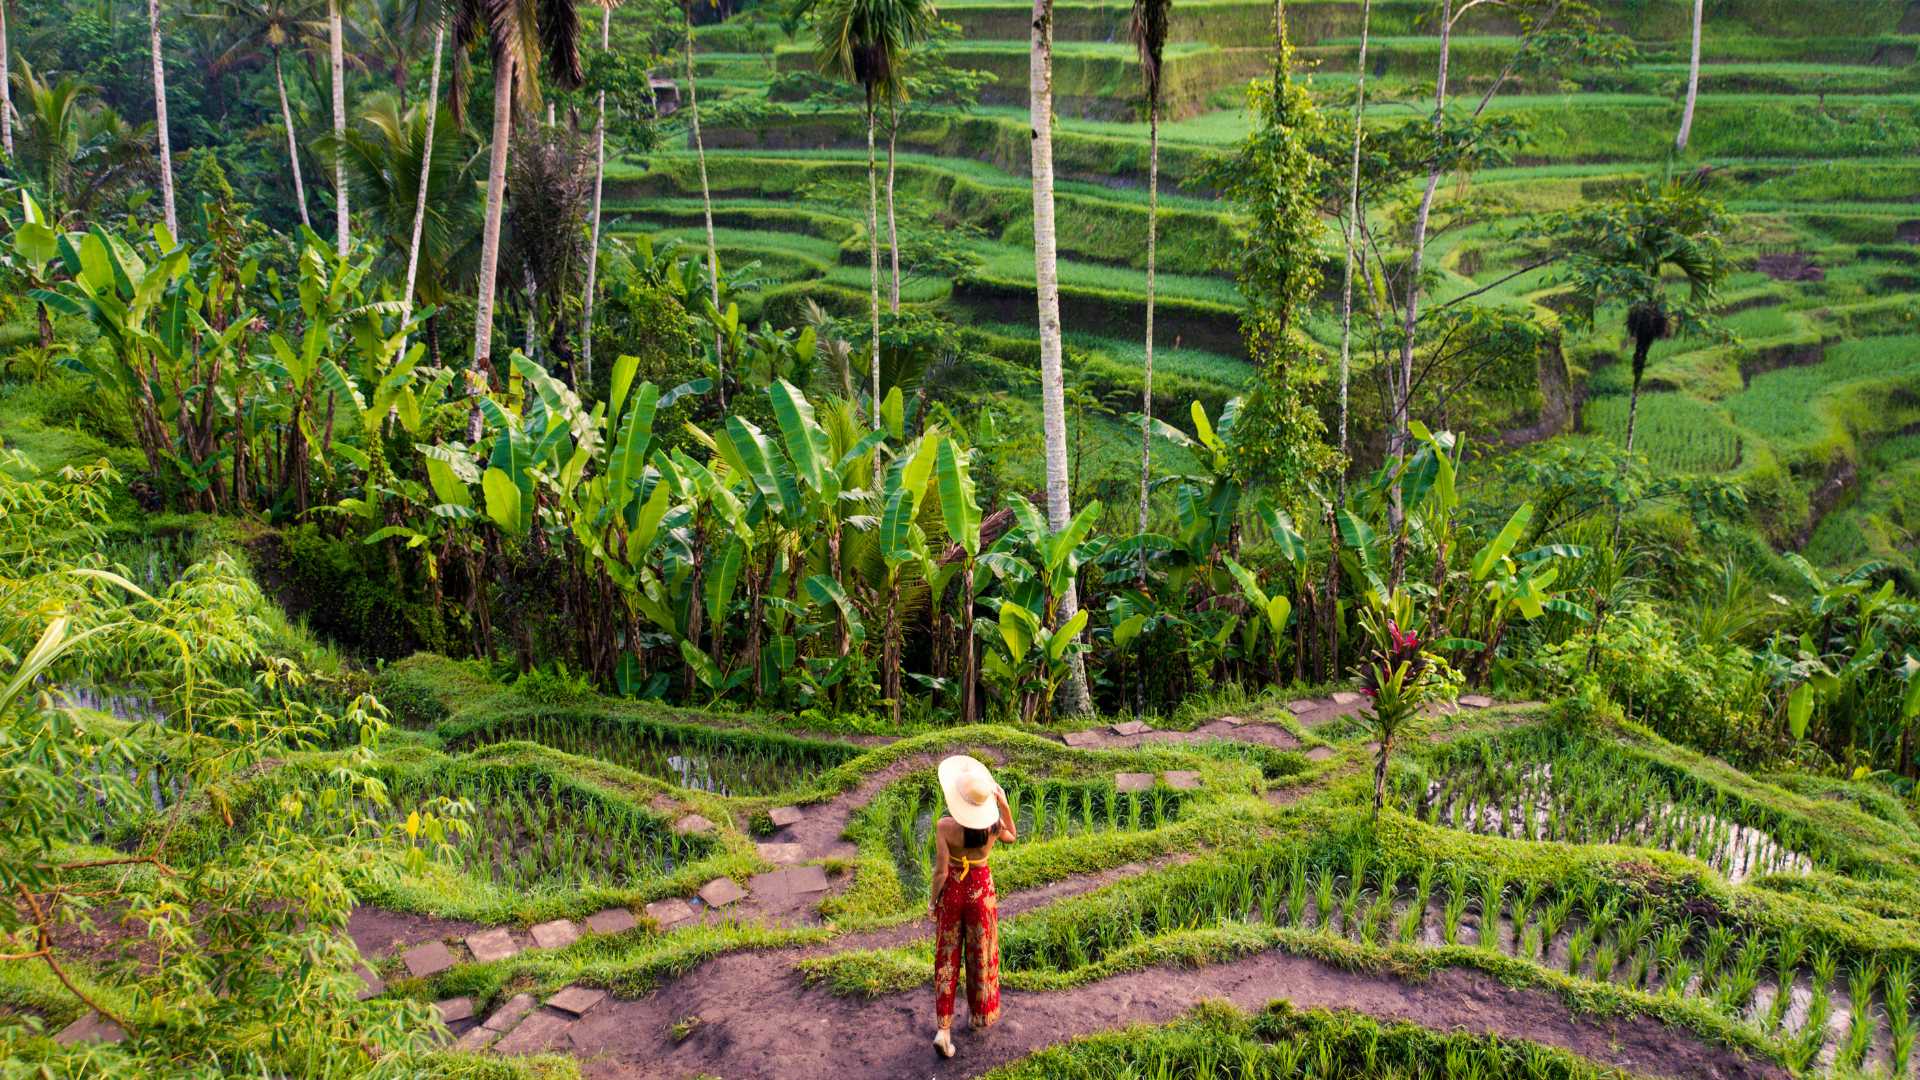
{"x":963,"y":904}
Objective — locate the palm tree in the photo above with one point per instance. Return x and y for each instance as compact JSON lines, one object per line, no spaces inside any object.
{"x":274,"y":25}
{"x":1352,"y":223}
{"x":72,"y":151}
{"x":6,"y":87}
{"x":1149,"y":33}
{"x":863,"y":41}
{"x":524,"y":35}
{"x":599,"y":184}
{"x":431,"y":107}
{"x":1693,"y":83}
{"x":706,"y":196}
{"x":337,"y":61}
{"x":160,"y":117}
{"x":1046,"y":274}
{"x":413,"y":173}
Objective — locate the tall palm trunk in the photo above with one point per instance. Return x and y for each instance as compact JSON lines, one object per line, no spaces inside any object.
{"x":160,"y":118}
{"x":503,"y":71}
{"x":1331,"y":601}
{"x":873,"y":268}
{"x":893,"y":233}
{"x":1403,"y":388}
{"x":336,"y":58}
{"x":1146,"y":386}
{"x":1053,"y":410}
{"x":599,"y":180}
{"x":6,"y":87}
{"x":1693,"y":83}
{"x":432,"y":106}
{"x":293,"y":148}
{"x":1353,"y":224}
{"x":706,"y":207}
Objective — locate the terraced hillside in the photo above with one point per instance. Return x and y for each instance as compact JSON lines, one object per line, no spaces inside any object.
{"x":1807,"y":116}
{"x":1542,"y":893}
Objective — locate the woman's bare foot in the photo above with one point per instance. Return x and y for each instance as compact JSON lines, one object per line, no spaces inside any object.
{"x":943,"y":1041}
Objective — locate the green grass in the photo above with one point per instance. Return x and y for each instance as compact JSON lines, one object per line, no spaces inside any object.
{"x":1676,"y":432}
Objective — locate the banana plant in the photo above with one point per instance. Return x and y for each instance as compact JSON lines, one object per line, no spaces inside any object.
{"x":1505,"y":585}
{"x":960,"y":512}
{"x":1270,"y":613}
{"x":1037,"y":659}
{"x":1034,"y":565}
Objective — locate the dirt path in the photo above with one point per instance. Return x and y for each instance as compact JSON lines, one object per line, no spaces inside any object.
{"x":815,"y":1034}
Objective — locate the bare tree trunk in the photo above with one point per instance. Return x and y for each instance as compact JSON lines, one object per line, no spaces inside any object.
{"x":1146,"y":384}
{"x":432,"y":106}
{"x":293,"y":147}
{"x":1403,"y":390}
{"x":337,"y":59}
{"x":1053,"y":410}
{"x":1353,"y":223}
{"x":706,"y":206}
{"x":873,"y":268}
{"x":970,"y":667}
{"x":593,"y":251}
{"x":893,"y":233}
{"x":6,"y":87}
{"x":503,"y":65}
{"x":160,"y":119}
{"x":1693,"y":83}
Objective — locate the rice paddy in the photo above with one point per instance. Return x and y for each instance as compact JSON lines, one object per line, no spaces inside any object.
{"x":712,"y":760}
{"x":1043,"y":811}
{"x":1549,"y":786}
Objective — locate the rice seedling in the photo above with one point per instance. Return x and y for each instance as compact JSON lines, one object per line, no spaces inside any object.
{"x":1578,"y":947}
{"x":1787,"y":954}
{"x":1492,"y":898}
{"x":1713,"y":954}
{"x":1414,"y":917}
{"x":1861,"y":979}
{"x":1456,"y":905}
{"x":1297,"y":891}
{"x":1742,"y":978}
{"x":1323,"y":887}
{"x":1896,"y":990}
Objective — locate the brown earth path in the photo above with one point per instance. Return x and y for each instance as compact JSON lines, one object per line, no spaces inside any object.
{"x":813,"y":1033}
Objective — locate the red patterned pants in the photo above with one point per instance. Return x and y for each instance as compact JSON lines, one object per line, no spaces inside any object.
{"x":969,"y":922}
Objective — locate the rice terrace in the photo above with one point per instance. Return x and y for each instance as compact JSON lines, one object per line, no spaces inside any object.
{"x":887,"y":539}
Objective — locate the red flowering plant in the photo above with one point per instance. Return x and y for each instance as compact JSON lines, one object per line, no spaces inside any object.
{"x":1398,"y":677}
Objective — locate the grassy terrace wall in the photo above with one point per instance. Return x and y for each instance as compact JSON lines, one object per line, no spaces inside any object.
{"x":1092,"y":81}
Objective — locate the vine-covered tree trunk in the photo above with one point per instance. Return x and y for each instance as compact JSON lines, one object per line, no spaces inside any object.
{"x":496,"y":203}
{"x":1053,"y":410}
{"x":893,"y":233}
{"x":6,"y":87}
{"x":1146,"y":384}
{"x":873,"y":271}
{"x":162,"y":139}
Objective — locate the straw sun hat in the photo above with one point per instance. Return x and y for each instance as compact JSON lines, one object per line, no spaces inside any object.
{"x":969,"y":790}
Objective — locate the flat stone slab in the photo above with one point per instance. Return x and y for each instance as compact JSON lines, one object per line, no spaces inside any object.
{"x":90,"y":1028}
{"x":784,"y":816}
{"x":1345,"y":697}
{"x":1133,"y":781}
{"x":692,"y":823}
{"x":557,"y":934}
{"x":1081,"y":738}
{"x":474,"y":1040}
{"x":506,"y":1016}
{"x":430,"y":959}
{"x":665,"y":913}
{"x":1183,"y":781}
{"x":720,"y":892}
{"x":1302,"y":705}
{"x":371,"y":984}
{"x":494,"y":944}
{"x":1132,"y":727}
{"x":794,"y":881}
{"x":536,"y":1034}
{"x":614,"y":920}
{"x":1320,"y":753}
{"x":576,"y":1000}
{"x":1233,"y":721}
{"x":1476,"y":701}
{"x":454,"y":1010}
{"x":782,"y":854}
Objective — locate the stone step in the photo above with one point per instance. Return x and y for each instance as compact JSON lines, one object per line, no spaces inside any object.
{"x":557,"y":934}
